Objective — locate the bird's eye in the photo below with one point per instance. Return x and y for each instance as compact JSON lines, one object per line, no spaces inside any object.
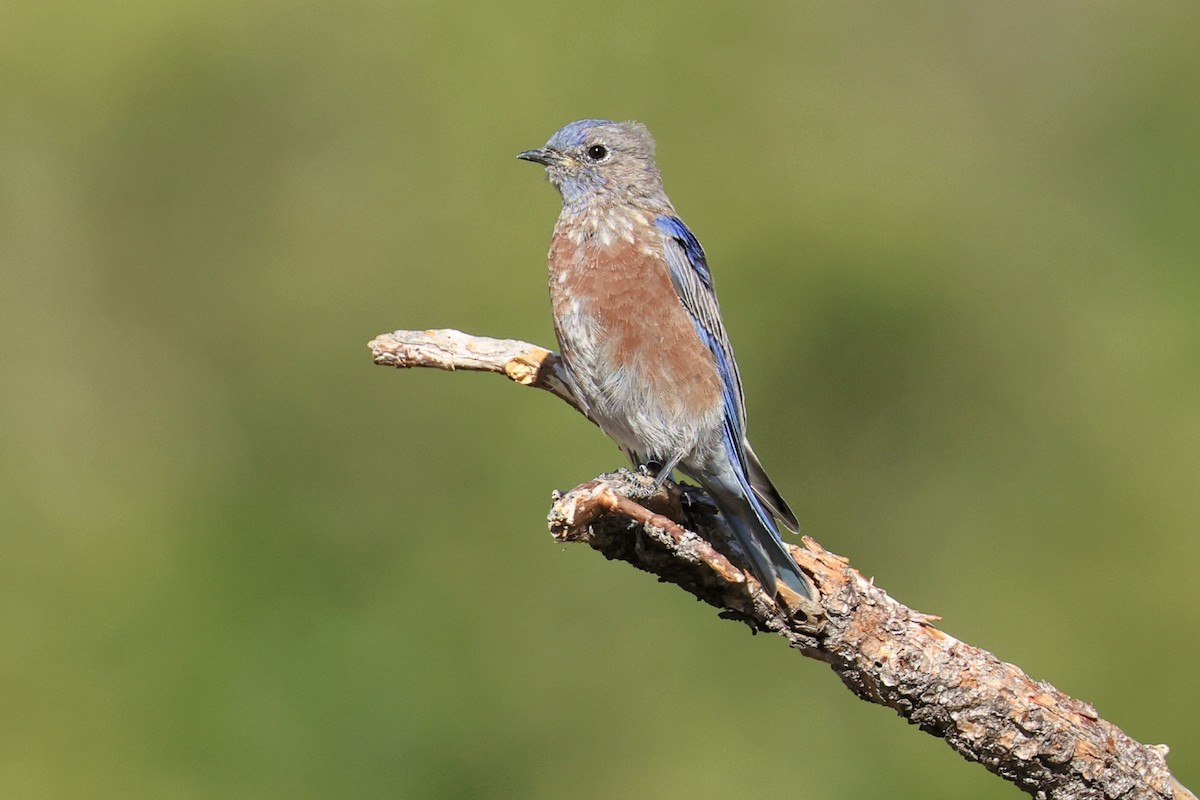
{"x":597,"y":152}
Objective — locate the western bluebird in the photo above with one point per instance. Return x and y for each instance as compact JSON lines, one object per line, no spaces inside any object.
{"x":641,"y":333}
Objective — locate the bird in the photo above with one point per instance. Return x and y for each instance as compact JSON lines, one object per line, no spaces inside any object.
{"x":641,"y":336}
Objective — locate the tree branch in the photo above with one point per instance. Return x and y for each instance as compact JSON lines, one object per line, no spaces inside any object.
{"x":1048,"y":744}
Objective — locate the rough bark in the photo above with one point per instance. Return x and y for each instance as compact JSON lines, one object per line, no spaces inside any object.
{"x":1028,"y":732}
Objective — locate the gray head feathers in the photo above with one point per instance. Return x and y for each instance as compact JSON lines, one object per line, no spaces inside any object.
{"x":595,"y":159}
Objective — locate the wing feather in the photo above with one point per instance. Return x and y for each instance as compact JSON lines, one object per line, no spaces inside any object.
{"x":693,"y":282}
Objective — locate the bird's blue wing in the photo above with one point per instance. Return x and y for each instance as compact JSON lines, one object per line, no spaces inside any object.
{"x":754,"y":496}
{"x":693,"y":282}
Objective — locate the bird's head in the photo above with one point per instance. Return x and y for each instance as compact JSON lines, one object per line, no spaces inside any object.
{"x":595,"y":158}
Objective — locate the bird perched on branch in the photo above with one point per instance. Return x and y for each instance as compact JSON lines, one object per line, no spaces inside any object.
{"x":642,"y":338}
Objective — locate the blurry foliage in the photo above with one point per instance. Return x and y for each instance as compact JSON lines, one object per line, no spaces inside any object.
{"x":957,"y":250}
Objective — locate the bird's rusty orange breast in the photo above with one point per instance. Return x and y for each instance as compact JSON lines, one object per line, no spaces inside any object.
{"x":623,"y":289}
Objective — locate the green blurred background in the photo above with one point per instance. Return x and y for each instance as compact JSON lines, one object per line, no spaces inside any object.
{"x":957,"y":250}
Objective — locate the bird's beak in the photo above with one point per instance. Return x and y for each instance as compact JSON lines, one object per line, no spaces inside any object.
{"x":544,"y":156}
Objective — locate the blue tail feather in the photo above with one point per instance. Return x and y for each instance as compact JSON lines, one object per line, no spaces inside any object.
{"x":757,"y":535}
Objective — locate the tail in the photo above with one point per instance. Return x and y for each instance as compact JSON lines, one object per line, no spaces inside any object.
{"x":756,"y":533}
